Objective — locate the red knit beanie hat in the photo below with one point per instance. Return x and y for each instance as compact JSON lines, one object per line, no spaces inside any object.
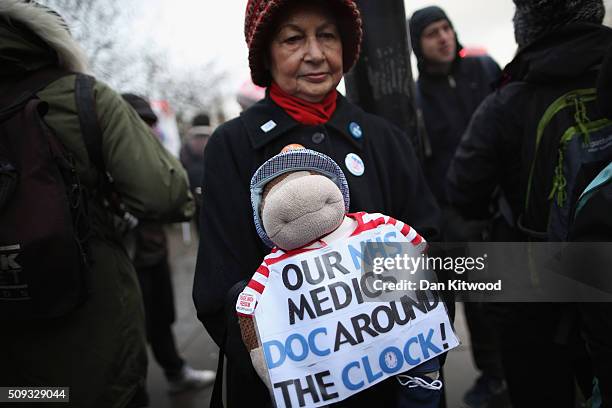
{"x":257,"y":25}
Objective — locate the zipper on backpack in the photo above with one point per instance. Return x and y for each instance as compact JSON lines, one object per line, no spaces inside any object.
{"x":559,"y":191}
{"x":564,"y":101}
{"x":582,"y":119}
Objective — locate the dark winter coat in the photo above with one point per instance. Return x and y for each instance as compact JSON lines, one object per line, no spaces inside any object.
{"x":448,"y":102}
{"x":498,"y":145}
{"x":230,"y":249}
{"x":498,"y":149}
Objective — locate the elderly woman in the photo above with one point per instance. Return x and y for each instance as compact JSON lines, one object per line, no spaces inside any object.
{"x":299,"y":51}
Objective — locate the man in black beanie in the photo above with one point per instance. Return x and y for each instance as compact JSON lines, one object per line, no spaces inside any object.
{"x":450,"y":87}
{"x":562,"y":45}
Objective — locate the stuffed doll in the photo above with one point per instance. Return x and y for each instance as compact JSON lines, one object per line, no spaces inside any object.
{"x":300,"y":201}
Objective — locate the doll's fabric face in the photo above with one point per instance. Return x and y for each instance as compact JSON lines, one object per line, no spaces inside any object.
{"x":301,"y":207}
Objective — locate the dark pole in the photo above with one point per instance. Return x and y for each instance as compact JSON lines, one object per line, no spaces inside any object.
{"x":381,"y":82}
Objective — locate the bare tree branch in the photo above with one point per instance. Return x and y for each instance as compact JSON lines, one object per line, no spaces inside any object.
{"x":102,"y":27}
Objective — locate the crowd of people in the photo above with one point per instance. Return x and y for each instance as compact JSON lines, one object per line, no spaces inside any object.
{"x":495,"y":172}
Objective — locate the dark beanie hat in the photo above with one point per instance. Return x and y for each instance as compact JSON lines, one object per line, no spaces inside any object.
{"x":201,"y":119}
{"x":536,"y":17}
{"x":259,"y":22}
{"x":419,"y":21}
{"x":141,"y":106}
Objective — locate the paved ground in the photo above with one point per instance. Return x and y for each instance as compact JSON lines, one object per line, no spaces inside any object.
{"x":200,"y":351}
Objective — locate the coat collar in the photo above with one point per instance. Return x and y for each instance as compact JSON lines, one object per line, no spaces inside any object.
{"x":266,"y":121}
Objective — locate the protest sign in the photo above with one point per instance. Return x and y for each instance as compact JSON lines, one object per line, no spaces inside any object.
{"x":325,"y":339}
{"x":166,"y":127}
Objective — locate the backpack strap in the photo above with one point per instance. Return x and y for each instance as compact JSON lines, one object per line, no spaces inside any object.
{"x":88,"y":119}
{"x":92,"y":138}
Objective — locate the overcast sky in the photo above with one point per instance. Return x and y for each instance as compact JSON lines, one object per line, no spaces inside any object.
{"x":200,"y":30}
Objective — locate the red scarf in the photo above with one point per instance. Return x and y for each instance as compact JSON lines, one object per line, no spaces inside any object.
{"x":307,"y":113}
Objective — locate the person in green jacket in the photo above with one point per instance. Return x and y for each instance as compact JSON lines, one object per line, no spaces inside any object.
{"x":99,"y":349}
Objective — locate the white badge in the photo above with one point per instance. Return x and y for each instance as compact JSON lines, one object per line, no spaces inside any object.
{"x":354,"y":164}
{"x":268,"y":126}
{"x":246,"y":303}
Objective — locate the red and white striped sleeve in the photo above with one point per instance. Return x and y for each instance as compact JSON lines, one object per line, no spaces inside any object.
{"x":247,"y":300}
{"x":371,"y":221}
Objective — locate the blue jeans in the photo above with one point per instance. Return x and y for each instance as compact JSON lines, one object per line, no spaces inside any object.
{"x":418,"y":396}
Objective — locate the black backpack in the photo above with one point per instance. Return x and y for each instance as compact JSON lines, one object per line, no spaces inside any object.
{"x":573,"y":145}
{"x":44,"y":221}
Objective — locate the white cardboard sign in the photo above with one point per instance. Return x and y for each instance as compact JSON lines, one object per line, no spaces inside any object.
{"x":324,"y":339}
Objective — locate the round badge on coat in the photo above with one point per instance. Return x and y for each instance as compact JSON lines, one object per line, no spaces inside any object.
{"x":354,"y":164}
{"x":355,"y":130}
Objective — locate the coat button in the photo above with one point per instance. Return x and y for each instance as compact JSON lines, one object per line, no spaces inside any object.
{"x":318,"y":137}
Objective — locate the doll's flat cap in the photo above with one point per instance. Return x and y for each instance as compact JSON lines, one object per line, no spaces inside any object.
{"x":290,"y":161}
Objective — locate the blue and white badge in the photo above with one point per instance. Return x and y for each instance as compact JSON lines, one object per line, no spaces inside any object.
{"x":354,"y":164}
{"x":268,"y":126}
{"x":355,"y":130}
